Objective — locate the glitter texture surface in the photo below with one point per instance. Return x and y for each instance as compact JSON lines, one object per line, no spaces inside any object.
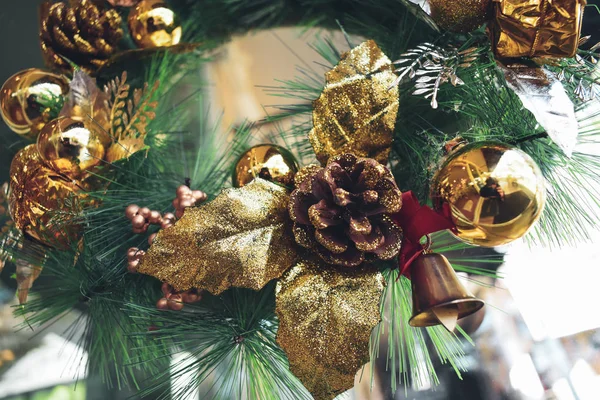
{"x":460,"y":15}
{"x":357,"y":109}
{"x":242,"y":238}
{"x":325,"y":320}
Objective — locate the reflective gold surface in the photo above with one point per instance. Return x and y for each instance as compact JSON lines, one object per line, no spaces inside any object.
{"x":537,"y":28}
{"x":42,"y":204}
{"x":460,"y":15}
{"x":438,"y":296}
{"x":153,"y":24}
{"x":495,"y":192}
{"x":326,"y":316}
{"x":70,"y":147}
{"x":356,"y":112}
{"x":30,"y":98}
{"x":267,"y":161}
{"x":242,"y":238}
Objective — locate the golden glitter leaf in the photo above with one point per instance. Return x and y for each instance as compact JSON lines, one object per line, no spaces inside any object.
{"x":356,"y":111}
{"x":129,"y":119}
{"x":325,"y":320}
{"x":240,"y":239}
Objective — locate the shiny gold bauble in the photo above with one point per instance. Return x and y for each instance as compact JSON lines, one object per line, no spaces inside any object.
{"x":266,"y":161}
{"x":70,"y":147}
{"x":460,"y":15}
{"x":493,"y":192}
{"x":153,"y":24}
{"x":31,"y":98}
{"x":42,"y":204}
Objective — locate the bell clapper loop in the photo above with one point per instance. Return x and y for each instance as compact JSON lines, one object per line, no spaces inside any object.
{"x":427,"y":245}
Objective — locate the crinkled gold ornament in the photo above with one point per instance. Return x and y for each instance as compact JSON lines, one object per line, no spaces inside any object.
{"x":325,"y":320}
{"x":357,"y":109}
{"x":43,"y":205}
{"x":242,"y":238}
{"x":541,"y":28}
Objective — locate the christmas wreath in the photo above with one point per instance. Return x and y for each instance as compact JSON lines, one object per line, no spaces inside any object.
{"x":280,"y":267}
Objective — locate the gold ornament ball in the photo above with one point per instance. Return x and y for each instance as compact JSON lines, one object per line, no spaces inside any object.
{"x":460,"y":15}
{"x":41,"y":203}
{"x":70,"y":147}
{"x":31,"y":98}
{"x":494,"y":193}
{"x":266,"y":161}
{"x":153,"y":24}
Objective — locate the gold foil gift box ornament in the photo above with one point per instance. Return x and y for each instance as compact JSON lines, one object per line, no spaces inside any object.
{"x":537,"y":28}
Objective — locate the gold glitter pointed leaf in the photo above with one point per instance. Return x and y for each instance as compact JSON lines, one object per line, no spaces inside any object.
{"x":325,"y":320}
{"x":356,"y":111}
{"x":242,"y":238}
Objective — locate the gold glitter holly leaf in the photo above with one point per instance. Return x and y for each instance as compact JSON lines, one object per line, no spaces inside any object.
{"x":326,"y":316}
{"x":431,"y":66}
{"x":242,"y":239}
{"x":129,"y":116}
{"x":357,"y":109}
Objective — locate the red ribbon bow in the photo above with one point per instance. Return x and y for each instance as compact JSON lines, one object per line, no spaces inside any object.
{"x":417,"y":221}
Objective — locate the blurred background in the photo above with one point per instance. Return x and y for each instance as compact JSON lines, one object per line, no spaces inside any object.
{"x":538,"y":338}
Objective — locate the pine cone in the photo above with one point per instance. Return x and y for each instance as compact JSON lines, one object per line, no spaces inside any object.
{"x":84,"y":33}
{"x":341,"y":211}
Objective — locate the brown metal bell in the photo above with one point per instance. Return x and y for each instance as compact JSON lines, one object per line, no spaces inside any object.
{"x":438,"y":296}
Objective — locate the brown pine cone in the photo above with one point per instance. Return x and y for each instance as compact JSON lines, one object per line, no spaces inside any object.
{"x":84,"y":33}
{"x":341,"y":211}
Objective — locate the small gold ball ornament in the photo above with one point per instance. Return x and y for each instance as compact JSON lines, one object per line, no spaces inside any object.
{"x":153,"y":24}
{"x":70,"y":147}
{"x":266,"y":161}
{"x":42,"y":204}
{"x":31,"y":98}
{"x":460,"y":15}
{"x":494,"y":192}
